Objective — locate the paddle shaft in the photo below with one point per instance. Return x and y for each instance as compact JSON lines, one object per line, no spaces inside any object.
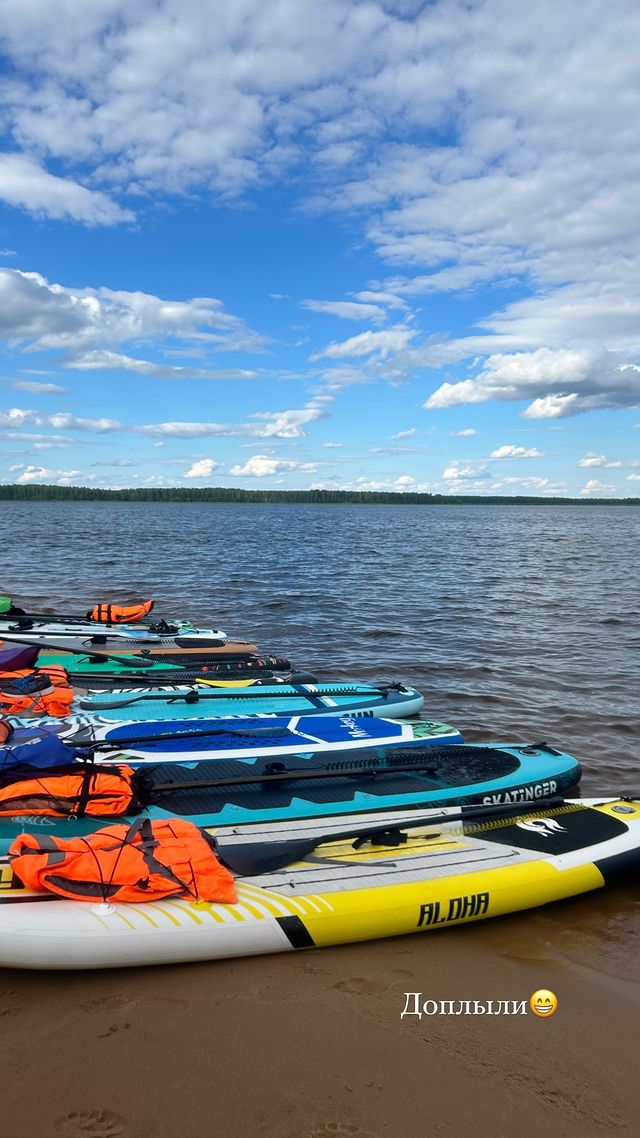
{"x":52,"y":617}
{"x":284,"y":776}
{"x":110,"y":744}
{"x":194,"y":696}
{"x":130,"y":661}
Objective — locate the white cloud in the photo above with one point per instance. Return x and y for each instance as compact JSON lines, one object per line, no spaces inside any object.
{"x":35,"y":388}
{"x":18,"y":417}
{"x":596,"y":488}
{"x":346,"y":309}
{"x":383,"y":343}
{"x":333,"y":446}
{"x":202,"y":468}
{"x":461,"y":167}
{"x":389,"y":299}
{"x":404,"y":483}
{"x":27,"y":185}
{"x":42,"y":315}
{"x":263,"y":466}
{"x":633,"y":477}
{"x":561,"y":383}
{"x":408,"y":434}
{"x":592,"y":459}
{"x":465,"y":433}
{"x":42,"y":474}
{"x":511,"y":451}
{"x":272,"y":424}
{"x":455,"y":473}
{"x":37,"y":441}
{"x":105,"y":360}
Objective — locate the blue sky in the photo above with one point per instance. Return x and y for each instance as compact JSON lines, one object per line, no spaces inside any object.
{"x":351,"y":245}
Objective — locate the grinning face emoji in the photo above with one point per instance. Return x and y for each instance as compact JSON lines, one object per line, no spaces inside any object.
{"x":543,"y":1003}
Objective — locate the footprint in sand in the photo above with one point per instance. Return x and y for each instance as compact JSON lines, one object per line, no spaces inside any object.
{"x":338,"y":1130}
{"x":114,"y":1003}
{"x":371,"y":985}
{"x":91,"y":1124}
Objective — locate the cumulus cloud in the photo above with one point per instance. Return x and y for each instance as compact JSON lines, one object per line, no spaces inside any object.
{"x":461,"y":169}
{"x":596,"y":488}
{"x":263,"y":466}
{"x":26,"y":184}
{"x":202,"y":468}
{"x":561,"y":382}
{"x":510,"y":451}
{"x":382,"y":343}
{"x":465,"y":433}
{"x":592,"y":459}
{"x":456,"y":473}
{"x":408,"y":434}
{"x":404,"y":483}
{"x":88,"y":322}
{"x":33,"y":473}
{"x":18,"y":417}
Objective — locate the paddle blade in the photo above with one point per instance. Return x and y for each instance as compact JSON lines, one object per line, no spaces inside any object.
{"x":253,"y":859}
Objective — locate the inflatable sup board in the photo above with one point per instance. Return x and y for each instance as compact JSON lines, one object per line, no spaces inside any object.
{"x":317,"y":883}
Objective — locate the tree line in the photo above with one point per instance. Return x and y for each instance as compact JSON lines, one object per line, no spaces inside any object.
{"x":51,"y":493}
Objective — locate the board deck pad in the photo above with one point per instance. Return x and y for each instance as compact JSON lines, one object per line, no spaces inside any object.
{"x":348,"y":782}
{"x":282,"y":699}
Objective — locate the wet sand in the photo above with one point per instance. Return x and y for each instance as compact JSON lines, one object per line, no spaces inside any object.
{"x":311,"y":1045}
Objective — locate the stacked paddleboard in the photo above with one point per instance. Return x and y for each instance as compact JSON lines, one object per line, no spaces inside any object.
{"x":342,"y":815}
{"x":311,"y":884}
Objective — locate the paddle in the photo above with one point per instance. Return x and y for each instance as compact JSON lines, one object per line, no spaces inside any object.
{"x":368,"y":767}
{"x":194,"y":696}
{"x":130,"y":661}
{"x":253,"y":859}
{"x":55,"y":617}
{"x":201,"y":733}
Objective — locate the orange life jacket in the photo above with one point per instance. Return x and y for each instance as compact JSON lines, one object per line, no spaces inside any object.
{"x":120,"y":614}
{"x":142,"y":862}
{"x":6,"y":731}
{"x":105,"y":792}
{"x":58,"y":675}
{"x":54,"y":700}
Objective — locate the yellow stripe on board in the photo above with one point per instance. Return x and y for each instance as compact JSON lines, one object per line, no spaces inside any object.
{"x":169,"y":916}
{"x":186,"y":910}
{"x":144,"y":913}
{"x":366,"y":914}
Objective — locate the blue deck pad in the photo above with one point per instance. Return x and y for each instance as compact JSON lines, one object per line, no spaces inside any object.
{"x":309,"y":728}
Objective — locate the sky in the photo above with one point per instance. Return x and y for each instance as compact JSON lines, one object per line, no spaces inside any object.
{"x":350,"y":245}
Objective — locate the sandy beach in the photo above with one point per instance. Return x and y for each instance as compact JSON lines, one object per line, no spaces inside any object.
{"x":312,"y":1045}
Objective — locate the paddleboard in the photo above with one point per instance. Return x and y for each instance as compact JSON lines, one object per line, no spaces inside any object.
{"x":92,"y":671}
{"x":393,"y":701}
{"x":445,"y":873}
{"x":241,"y":792}
{"x":116,"y":636}
{"x":158,"y":741}
{"x":177,"y":651}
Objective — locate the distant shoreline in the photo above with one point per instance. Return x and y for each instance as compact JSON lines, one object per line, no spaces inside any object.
{"x":181,"y":494}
